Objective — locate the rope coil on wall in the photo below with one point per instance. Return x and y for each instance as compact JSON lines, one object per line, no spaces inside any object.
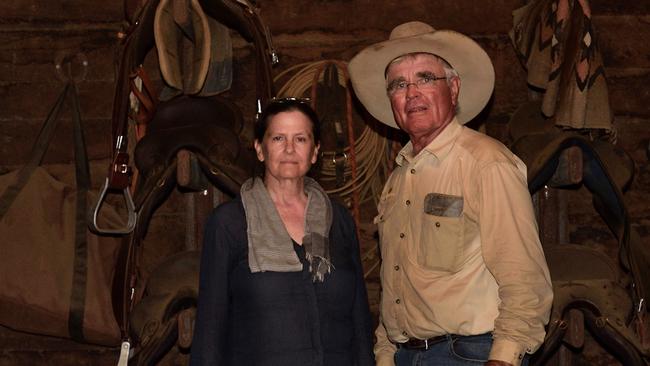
{"x":366,"y":157}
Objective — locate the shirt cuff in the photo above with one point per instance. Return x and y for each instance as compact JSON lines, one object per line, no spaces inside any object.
{"x":507,"y":350}
{"x":386,"y":360}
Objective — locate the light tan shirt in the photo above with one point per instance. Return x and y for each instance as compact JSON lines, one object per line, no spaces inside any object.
{"x":460,"y":248}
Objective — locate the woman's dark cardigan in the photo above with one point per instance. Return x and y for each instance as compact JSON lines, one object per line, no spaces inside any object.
{"x":279,"y":318}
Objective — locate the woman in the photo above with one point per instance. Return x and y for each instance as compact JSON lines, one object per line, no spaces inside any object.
{"x":281,"y":279}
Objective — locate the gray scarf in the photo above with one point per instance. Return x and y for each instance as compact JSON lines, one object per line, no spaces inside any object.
{"x":269,"y":245}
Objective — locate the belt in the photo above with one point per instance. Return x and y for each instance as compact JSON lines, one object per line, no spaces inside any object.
{"x":416,"y":344}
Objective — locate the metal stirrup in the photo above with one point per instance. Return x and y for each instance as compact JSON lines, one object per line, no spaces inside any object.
{"x":130,"y":206}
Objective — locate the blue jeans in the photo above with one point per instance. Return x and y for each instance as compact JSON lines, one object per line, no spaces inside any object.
{"x":454,"y":351}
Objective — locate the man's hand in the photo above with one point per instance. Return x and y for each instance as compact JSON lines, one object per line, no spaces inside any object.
{"x":497,"y":363}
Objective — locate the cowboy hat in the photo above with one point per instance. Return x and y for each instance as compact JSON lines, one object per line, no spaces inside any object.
{"x":471,"y":62}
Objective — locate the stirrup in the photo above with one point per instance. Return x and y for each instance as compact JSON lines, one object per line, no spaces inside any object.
{"x":130,"y":206}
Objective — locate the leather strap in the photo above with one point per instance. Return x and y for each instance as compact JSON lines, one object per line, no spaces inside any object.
{"x":147,"y":99}
{"x":137,"y":43}
{"x":119,"y":170}
{"x":335,"y":96}
{"x":422,"y":344}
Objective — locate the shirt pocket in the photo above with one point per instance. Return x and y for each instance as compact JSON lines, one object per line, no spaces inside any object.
{"x":442,"y":235}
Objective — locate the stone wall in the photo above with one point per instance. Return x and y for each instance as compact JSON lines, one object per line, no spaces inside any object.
{"x":34,"y":33}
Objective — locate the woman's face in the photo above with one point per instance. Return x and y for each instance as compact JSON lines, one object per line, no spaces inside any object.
{"x":288,"y":149}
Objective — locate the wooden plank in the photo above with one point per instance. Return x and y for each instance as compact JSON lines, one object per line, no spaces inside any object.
{"x":30,"y":56}
{"x":471,"y":17}
{"x":623,"y":40}
{"x":634,"y":135}
{"x":73,"y":11}
{"x":309,"y":14}
{"x":34,"y":100}
{"x":18,"y":136}
{"x":629,"y":93}
{"x":608,"y":7}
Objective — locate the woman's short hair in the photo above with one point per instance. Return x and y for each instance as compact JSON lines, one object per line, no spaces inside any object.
{"x":279,"y":105}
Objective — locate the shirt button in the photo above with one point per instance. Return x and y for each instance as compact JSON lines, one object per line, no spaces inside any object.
{"x":408,"y":202}
{"x":412,"y":171}
{"x":396,"y":268}
{"x":397,"y":301}
{"x":437,"y":224}
{"x":401,"y":235}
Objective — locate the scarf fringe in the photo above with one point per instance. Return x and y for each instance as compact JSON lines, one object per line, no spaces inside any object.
{"x":319,"y":267}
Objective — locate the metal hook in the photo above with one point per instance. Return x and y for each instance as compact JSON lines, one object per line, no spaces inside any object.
{"x":65,"y":65}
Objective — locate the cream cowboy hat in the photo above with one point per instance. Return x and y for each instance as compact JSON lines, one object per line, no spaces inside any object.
{"x":471,"y":62}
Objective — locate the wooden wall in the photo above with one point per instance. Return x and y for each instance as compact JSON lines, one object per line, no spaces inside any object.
{"x":34,"y":32}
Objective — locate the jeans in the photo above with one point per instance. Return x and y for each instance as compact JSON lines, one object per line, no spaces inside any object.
{"x":454,"y":351}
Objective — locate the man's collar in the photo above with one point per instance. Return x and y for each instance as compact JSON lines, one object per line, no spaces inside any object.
{"x":439,"y":147}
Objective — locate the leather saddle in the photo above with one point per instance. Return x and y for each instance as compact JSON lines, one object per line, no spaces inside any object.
{"x":206,"y":126}
{"x":607,"y":295}
{"x":209,"y":127}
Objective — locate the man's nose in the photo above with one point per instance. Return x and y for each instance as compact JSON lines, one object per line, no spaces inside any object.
{"x":412,"y":90}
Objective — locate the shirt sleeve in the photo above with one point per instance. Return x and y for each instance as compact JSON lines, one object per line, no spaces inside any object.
{"x":513,"y":254}
{"x":384,"y":348}
{"x":210,"y":331}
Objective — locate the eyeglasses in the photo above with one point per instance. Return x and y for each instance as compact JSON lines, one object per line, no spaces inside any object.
{"x":424,"y":83}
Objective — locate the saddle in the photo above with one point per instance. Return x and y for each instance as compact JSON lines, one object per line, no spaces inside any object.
{"x":609,"y":296}
{"x":207,"y":126}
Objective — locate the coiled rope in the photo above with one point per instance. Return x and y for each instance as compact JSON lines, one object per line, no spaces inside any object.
{"x":365,"y":169}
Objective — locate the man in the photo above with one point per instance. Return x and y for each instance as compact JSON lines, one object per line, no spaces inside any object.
{"x":464,"y":278}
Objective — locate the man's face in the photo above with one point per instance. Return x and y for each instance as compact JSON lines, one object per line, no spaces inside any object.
{"x":422,"y":110}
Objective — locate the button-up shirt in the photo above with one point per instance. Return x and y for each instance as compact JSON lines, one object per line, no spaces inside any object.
{"x":460,"y":248}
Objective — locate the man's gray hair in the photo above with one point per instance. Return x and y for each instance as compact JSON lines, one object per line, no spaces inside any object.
{"x":450,"y":72}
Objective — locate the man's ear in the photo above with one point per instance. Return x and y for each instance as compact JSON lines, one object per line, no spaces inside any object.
{"x":454,"y":88}
{"x":259,"y":151}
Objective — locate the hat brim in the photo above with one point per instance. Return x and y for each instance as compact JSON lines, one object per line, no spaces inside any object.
{"x":468,"y":58}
